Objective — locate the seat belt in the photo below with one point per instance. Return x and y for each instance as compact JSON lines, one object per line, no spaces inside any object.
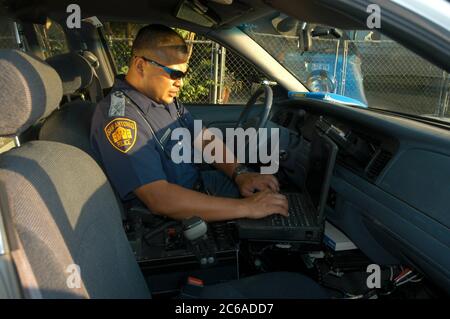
{"x":95,"y":88}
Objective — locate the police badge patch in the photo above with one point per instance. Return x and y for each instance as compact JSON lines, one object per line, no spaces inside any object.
{"x":121,"y":133}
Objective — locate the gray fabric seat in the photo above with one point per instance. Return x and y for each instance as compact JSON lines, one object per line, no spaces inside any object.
{"x":59,"y":200}
{"x":66,"y":217}
{"x":75,"y":72}
{"x":71,"y":123}
{"x":64,"y":209}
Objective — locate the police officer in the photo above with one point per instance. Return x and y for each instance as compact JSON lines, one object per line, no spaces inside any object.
{"x":131,"y":137}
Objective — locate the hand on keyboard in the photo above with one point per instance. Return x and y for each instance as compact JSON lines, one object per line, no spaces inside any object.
{"x":265,"y":203}
{"x":248,"y":183}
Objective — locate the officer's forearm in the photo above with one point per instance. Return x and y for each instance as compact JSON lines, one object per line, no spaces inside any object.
{"x":227,"y":163}
{"x":178,"y":202}
{"x":227,"y":168}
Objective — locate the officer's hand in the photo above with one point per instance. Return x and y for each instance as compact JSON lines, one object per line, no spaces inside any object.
{"x":248,"y":183}
{"x":265,"y":203}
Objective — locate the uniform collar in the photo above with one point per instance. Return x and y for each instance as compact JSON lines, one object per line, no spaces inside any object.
{"x":143,"y":101}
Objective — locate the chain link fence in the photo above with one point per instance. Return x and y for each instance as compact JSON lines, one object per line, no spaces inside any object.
{"x":399,"y":80}
{"x":240,"y":77}
{"x":51,"y":39}
{"x":121,"y":50}
{"x":199,"y":85}
{"x":381,"y":73}
{"x":216,"y":75}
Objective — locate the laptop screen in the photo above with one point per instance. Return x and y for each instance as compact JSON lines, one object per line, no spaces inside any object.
{"x":321,"y":164}
{"x":309,"y":227}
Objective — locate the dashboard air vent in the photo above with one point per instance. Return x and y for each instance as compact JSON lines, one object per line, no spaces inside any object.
{"x":378,"y":163}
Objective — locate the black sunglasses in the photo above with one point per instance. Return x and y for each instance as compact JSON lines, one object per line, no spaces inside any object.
{"x":174,"y":74}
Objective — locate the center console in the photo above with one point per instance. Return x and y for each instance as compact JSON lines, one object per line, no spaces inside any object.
{"x":168,"y":252}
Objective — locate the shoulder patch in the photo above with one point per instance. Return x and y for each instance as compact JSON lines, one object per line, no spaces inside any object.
{"x":121,"y":133}
{"x":117,"y":106}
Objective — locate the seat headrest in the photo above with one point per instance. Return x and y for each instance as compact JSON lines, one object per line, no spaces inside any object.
{"x":75,"y":71}
{"x":30,"y":89}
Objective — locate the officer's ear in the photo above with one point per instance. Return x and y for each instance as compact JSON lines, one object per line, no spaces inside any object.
{"x":138,"y":64}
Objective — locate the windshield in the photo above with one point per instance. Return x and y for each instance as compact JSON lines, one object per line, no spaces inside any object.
{"x":359,"y":64}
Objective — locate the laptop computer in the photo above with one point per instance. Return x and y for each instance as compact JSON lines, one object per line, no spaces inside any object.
{"x":306,"y":208}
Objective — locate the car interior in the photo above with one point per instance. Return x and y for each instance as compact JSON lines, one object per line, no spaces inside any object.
{"x":377,"y":179}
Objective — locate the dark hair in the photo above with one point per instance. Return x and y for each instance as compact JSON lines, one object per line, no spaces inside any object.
{"x":158,"y":37}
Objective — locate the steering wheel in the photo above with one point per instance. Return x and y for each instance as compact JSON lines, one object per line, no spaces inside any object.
{"x":260,"y":120}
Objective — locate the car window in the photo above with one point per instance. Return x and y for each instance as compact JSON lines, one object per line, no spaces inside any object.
{"x":363,"y":65}
{"x":216,"y":75}
{"x":52,"y":39}
{"x":7,"y":34}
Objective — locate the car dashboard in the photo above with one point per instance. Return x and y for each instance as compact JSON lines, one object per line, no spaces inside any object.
{"x":365,"y":154}
{"x":387,"y":195}
{"x":388,"y":191}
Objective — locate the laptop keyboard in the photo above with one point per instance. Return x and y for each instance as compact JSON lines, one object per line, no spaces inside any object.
{"x":298,"y":226}
{"x":296,"y":216}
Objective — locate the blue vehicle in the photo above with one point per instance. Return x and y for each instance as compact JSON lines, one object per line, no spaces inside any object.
{"x":329,"y":97}
{"x":325,"y":69}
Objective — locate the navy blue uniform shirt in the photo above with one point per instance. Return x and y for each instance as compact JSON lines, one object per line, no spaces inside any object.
{"x":123,"y":141}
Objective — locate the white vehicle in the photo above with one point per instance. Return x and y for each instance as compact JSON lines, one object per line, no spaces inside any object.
{"x":65,"y":234}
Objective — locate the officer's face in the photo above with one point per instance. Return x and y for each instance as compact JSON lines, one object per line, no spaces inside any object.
{"x":158,"y":84}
